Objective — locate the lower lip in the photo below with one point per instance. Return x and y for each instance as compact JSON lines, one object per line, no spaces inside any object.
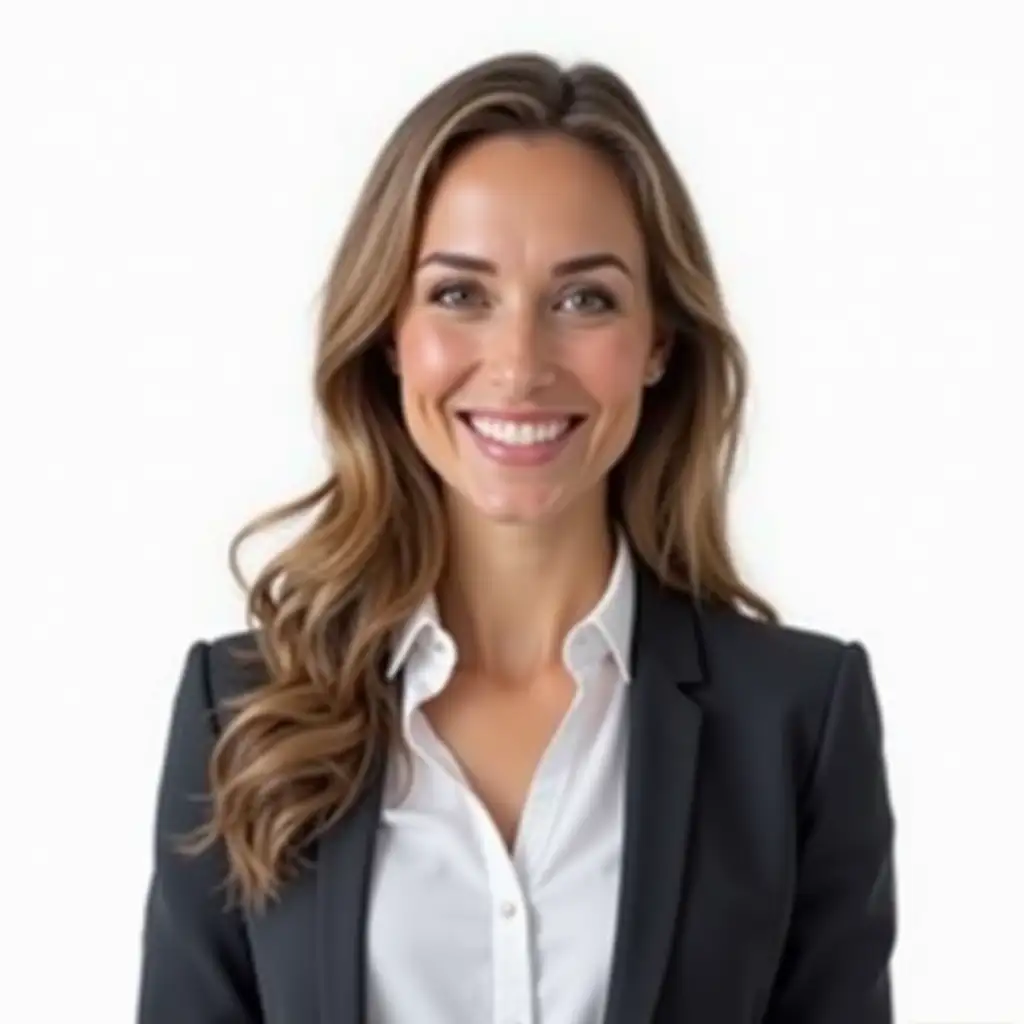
{"x":520,"y":454}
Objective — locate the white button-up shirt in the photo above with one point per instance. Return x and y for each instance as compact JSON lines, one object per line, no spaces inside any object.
{"x":459,"y":930}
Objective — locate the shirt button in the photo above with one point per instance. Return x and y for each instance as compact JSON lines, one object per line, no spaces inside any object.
{"x":508,"y":909}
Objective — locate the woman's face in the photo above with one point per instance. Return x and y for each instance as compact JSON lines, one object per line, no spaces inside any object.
{"x":525,"y":340}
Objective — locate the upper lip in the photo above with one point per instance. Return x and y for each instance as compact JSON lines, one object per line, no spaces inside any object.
{"x":521,"y":415}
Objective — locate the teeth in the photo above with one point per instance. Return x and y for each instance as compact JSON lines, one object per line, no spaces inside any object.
{"x":507,"y":432}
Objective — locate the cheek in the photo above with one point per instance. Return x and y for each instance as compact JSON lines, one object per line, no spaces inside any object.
{"x":612,"y":368}
{"x":431,"y":360}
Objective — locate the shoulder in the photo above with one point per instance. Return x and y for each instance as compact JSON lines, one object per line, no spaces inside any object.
{"x":779,"y":675}
{"x":225,"y":666}
{"x":738,"y":641}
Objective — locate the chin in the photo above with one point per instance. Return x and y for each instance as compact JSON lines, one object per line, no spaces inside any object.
{"x":502,"y":506}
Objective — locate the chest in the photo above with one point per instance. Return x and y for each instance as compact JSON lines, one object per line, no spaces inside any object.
{"x":499,"y":738}
{"x":497,"y":866}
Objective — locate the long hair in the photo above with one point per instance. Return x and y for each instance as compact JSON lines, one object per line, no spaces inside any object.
{"x":300,"y":748}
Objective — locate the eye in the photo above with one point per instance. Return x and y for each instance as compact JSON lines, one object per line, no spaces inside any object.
{"x":456,"y":295}
{"x":589,"y":300}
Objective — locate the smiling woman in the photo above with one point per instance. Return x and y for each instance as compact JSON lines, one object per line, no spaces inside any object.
{"x":507,"y":737}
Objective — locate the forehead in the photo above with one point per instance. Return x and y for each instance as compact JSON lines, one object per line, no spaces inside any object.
{"x":512,"y":198}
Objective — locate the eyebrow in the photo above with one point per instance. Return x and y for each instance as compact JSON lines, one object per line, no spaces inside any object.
{"x":576,"y":265}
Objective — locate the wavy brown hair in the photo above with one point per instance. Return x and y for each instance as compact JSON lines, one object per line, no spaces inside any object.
{"x":299,"y":749}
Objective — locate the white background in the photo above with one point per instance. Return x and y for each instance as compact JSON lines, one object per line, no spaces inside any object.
{"x":173,"y":180}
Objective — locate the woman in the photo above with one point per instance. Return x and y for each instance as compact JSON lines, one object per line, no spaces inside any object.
{"x":509,"y":739}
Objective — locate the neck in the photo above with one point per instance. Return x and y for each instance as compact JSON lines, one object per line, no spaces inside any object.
{"x":511,"y":592}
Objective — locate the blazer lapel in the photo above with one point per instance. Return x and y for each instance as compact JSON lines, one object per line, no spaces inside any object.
{"x":661,"y":773}
{"x":344,"y":864}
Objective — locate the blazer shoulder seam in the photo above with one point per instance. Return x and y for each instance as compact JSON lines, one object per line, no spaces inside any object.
{"x":845,"y":651}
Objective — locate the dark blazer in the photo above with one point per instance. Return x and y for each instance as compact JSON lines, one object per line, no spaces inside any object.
{"x":758,"y":879}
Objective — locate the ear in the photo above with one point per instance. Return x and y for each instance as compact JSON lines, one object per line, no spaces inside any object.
{"x":658,"y":359}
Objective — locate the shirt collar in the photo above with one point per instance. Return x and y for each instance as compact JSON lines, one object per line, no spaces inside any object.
{"x":423,"y":626}
{"x":607,"y":629}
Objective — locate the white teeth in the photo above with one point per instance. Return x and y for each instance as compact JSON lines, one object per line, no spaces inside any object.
{"x":508,"y":432}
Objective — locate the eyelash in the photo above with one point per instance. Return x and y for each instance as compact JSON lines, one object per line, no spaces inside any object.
{"x":437,"y":295}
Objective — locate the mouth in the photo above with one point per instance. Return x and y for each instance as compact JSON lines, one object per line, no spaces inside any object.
{"x":521,"y":433}
{"x":518,"y":441}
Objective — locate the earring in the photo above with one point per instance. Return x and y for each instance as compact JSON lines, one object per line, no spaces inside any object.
{"x":654,"y":374}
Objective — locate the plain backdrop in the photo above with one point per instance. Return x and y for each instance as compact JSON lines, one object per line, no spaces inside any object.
{"x":173,"y":181}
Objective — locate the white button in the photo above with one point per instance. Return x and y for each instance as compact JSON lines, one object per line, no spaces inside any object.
{"x":508,"y":909}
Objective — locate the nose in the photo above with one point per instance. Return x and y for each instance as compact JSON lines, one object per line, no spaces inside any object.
{"x":518,"y":357}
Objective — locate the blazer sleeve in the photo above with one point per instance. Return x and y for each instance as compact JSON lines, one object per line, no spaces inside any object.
{"x":836,"y":961}
{"x":196,"y":963}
